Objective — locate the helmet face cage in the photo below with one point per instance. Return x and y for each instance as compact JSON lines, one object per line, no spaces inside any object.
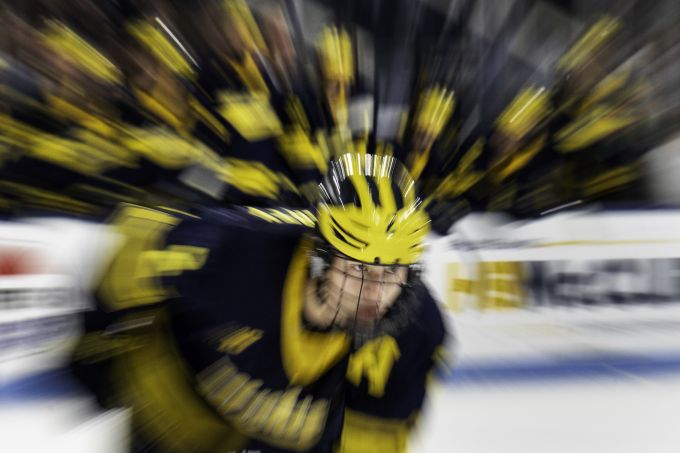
{"x":348,"y":291}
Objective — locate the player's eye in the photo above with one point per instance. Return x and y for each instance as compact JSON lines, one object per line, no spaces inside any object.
{"x":358,"y":268}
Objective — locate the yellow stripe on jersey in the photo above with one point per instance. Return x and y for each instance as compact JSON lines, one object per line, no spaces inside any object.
{"x":208,"y":119}
{"x":86,"y":152}
{"x":306,"y":355}
{"x":162,"y":107}
{"x":262,"y":214}
{"x":280,"y":418}
{"x":32,"y":196}
{"x":250,"y":75}
{"x":155,"y":382}
{"x":167,"y":149}
{"x":63,"y":108}
{"x":464,"y":176}
{"x":242,"y":20}
{"x":289,"y":216}
{"x":516,"y":161}
{"x":130,"y":280}
{"x":598,"y":123}
{"x":417,"y":161}
{"x":525,"y":112}
{"x":590,"y":43}
{"x":238,"y":341}
{"x":435,"y":107}
{"x":253,"y":178}
{"x":252,"y":116}
{"x":609,"y":180}
{"x":172,"y":261}
{"x":156,"y":42}
{"x":65,"y":41}
{"x":363,"y":433}
{"x":297,"y":147}
{"x":614,"y":83}
{"x":296,"y":111}
{"x":335,"y":54}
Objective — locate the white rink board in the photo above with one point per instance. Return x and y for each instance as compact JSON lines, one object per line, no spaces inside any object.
{"x":576,"y":243}
{"x":47,"y":269}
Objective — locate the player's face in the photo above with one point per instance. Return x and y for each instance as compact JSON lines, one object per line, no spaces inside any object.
{"x":362,"y":293}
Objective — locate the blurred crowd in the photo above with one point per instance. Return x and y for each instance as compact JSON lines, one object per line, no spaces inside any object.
{"x":184,"y":103}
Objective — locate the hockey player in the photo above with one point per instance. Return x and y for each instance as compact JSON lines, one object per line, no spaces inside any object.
{"x":271,"y":329}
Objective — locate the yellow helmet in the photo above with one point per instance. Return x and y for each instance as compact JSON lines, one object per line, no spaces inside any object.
{"x":587,"y":47}
{"x":335,"y":53}
{"x":435,"y":107}
{"x":369,"y":210}
{"x":525,"y":112}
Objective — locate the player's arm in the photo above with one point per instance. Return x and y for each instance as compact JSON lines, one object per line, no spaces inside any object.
{"x":128,"y":355}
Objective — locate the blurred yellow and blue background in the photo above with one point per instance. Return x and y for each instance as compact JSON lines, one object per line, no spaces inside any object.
{"x":543,"y":136}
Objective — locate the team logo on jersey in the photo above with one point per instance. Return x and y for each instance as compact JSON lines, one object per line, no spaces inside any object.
{"x":238,"y":341}
{"x":374,"y":360}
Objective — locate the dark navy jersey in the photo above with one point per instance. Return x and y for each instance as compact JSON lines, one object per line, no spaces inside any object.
{"x":232,"y":294}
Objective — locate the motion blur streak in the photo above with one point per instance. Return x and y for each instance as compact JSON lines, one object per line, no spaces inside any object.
{"x":542,"y":136}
